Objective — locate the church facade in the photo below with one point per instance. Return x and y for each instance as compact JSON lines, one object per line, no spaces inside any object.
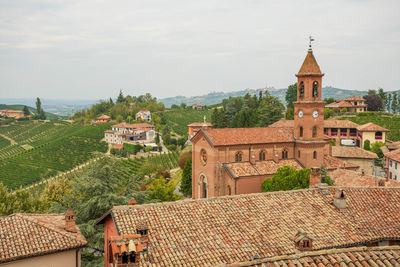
{"x":233,"y":161}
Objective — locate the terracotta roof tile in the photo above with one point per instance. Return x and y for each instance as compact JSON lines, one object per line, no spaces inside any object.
{"x":235,"y":228}
{"x":378,"y":256}
{"x":134,"y":125}
{"x":339,"y":104}
{"x":352,"y":152}
{"x":331,"y":163}
{"x":198,"y":124}
{"x":371,"y":127}
{"x":310,"y":65}
{"x":283,"y":123}
{"x":29,"y":235}
{"x":394,"y":155}
{"x":244,"y":136}
{"x":354,"y":98}
{"x":104,"y":117}
{"x":340,"y":124}
{"x":350,"y":178}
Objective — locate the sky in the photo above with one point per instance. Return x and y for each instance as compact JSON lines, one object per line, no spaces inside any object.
{"x":81,"y":49}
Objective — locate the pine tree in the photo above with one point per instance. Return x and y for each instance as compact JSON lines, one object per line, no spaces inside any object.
{"x":186,"y":184}
{"x":26,"y":111}
{"x":389,"y":102}
{"x":395,"y":103}
{"x":121,"y":97}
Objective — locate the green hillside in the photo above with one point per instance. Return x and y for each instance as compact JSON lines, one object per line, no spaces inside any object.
{"x":49,"y":115}
{"x":43,"y":149}
{"x":178,"y":120}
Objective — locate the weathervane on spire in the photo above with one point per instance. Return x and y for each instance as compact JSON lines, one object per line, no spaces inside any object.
{"x":311,"y":40}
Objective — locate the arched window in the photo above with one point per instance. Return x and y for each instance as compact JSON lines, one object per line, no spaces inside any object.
{"x":203,"y":186}
{"x":314,"y":131}
{"x":239,"y":156}
{"x":229,"y":191}
{"x":298,"y":154}
{"x":301,"y":131}
{"x":315,"y":89}
{"x":284,"y":154}
{"x":301,"y":89}
{"x":261,"y":156}
{"x":315,"y":155}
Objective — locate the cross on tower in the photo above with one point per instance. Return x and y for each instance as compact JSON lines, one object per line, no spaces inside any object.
{"x":311,"y":40}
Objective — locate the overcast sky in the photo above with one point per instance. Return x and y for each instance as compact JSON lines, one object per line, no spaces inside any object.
{"x":91,"y":49}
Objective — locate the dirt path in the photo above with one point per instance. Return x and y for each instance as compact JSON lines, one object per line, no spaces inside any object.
{"x":9,"y":139}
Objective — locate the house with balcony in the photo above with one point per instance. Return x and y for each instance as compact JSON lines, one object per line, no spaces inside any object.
{"x":138,"y":133}
{"x":352,"y":104}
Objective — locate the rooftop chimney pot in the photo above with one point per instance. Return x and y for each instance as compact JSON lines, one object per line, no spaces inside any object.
{"x":132,"y":201}
{"x":339,"y":200}
{"x":70,"y":225}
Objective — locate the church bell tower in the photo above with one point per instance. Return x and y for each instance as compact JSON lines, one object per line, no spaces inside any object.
{"x":309,"y":114}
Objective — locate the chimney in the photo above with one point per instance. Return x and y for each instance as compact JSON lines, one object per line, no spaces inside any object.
{"x":315,"y":176}
{"x":132,"y":201}
{"x":339,"y":199}
{"x":70,"y":221}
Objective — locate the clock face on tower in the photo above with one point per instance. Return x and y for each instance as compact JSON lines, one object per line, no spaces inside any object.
{"x":300,"y":113}
{"x":315,"y":114}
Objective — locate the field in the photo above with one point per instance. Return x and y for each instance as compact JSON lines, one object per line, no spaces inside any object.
{"x":178,"y":120}
{"x":56,"y":147}
{"x":130,"y":167}
{"x":391,"y":122}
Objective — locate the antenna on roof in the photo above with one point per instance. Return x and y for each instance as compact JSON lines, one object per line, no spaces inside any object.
{"x":311,"y":40}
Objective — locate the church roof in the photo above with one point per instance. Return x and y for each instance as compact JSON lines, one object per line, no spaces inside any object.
{"x":208,"y":232}
{"x":310,"y":65}
{"x":246,"y":136}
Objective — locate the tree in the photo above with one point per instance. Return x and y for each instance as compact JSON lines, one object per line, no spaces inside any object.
{"x":383,"y":96}
{"x":157,"y":138}
{"x":269,"y":111}
{"x":291,"y":95}
{"x":371,"y":92}
{"x":38,"y":105}
{"x":289,"y":115}
{"x":185,"y":156}
{"x":376,"y":148}
{"x":163,"y":190}
{"x":329,"y":100}
{"x":26,"y":111}
{"x":374,"y":102}
{"x":186,"y":184}
{"x":389,"y":102}
{"x":121,"y":97}
{"x":287,"y":178}
{"x":343,"y":110}
{"x":183,"y":105}
{"x":174,"y":106}
{"x":367,"y":145}
{"x":395,"y":103}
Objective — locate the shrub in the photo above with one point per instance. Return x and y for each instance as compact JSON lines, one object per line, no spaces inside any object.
{"x":186,"y":184}
{"x":367,"y":145}
{"x":171,"y":147}
{"x":287,"y":178}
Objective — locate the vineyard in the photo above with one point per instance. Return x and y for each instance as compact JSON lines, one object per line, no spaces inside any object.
{"x":130,"y":167}
{"x":391,"y":122}
{"x":4,"y":142}
{"x":178,"y":120}
{"x":55,"y":147}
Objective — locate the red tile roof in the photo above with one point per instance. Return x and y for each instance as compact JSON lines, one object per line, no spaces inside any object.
{"x":339,"y":104}
{"x":394,"y":155}
{"x":356,"y":256}
{"x":244,"y":136}
{"x":200,"y":124}
{"x":283,"y":123}
{"x":267,"y":167}
{"x":352,"y":152}
{"x":104,"y":117}
{"x":354,"y":98}
{"x":331,"y":163}
{"x":340,"y":124}
{"x":235,"y":228}
{"x":371,"y":127}
{"x":310,"y":65}
{"x":29,"y":235}
{"x":348,"y":178}
{"x":109,"y":131}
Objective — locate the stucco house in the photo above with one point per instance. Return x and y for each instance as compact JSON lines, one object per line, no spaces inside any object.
{"x":393,"y":164}
{"x":10,"y":113}
{"x":144,"y":115}
{"x":40,"y":240}
{"x":358,"y":156}
{"x":352,"y":104}
{"x":138,"y":133}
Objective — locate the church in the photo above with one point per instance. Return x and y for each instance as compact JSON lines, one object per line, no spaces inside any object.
{"x":232,"y":161}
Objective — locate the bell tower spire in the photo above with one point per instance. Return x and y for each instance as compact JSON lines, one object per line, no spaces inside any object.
{"x":309,"y":112}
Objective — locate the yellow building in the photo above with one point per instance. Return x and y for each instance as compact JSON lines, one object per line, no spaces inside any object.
{"x":371,"y":132}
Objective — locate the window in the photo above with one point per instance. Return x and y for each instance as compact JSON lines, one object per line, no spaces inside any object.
{"x":315,"y":155}
{"x":378,"y":135}
{"x":315,"y":89}
{"x":306,"y":243}
{"x":298,"y":154}
{"x":301,"y":89}
{"x":132,"y":257}
{"x":301,"y":132}
{"x":314,"y":131}
{"x":142,"y":232}
{"x":284,"y":154}
{"x":261,"y":156}
{"x":124,"y":258}
{"x":395,"y":165}
{"x":390,"y":163}
{"x":390,"y":175}
{"x":229,"y":190}
{"x":238,"y":156}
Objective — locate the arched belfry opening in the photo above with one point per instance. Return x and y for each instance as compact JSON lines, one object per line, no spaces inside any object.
{"x":203,"y":186}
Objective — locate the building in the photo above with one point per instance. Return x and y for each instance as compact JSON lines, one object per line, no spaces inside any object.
{"x":348,"y":178}
{"x":16,"y":114}
{"x":393,"y":164}
{"x":103,"y":119}
{"x":144,"y":115}
{"x":358,"y":156}
{"x":195,"y":127}
{"x":198,"y":106}
{"x":352,"y":104}
{"x":236,"y":229}
{"x":40,"y":240}
{"x":346,"y":133}
{"x":138,"y":133}
{"x":236,"y":161}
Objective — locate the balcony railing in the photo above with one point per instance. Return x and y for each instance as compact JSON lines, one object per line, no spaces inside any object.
{"x":359,"y":135}
{"x":378,"y":137}
{"x":333,"y":134}
{"x":353,"y":134}
{"x":343,"y":134}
